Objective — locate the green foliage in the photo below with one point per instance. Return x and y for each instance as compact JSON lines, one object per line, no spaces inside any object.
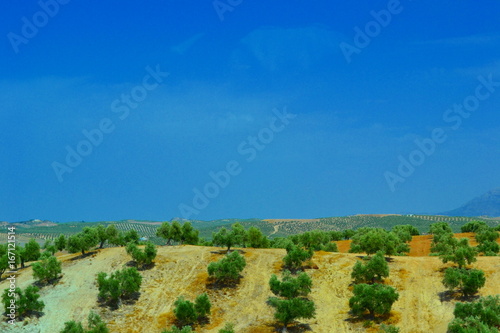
{"x":115,"y":237}
{"x":202,"y":305}
{"x":188,"y":313}
{"x":174,"y":329}
{"x":489,"y":248}
{"x":372,"y":240}
{"x":25,"y":301}
{"x":374,"y":298}
{"x":287,"y":310}
{"x":469,"y":325}
{"x":185,"y":311}
{"x":145,"y":257}
{"x":486,"y":309}
{"x":374,"y":270}
{"x":32,"y":250}
{"x":236,"y":236}
{"x":5,"y":257}
{"x":228,"y":328}
{"x":256,"y":238}
{"x":189,"y":235}
{"x":296,"y":256}
{"x":457,"y":251}
{"x":228,"y":269}
{"x":330,"y":247}
{"x":473,"y":226}
{"x":83,"y":241}
{"x":467,"y":281}
{"x":388,"y":329}
{"x":289,"y":286}
{"x":486,"y":235}
{"x":47,"y":269}
{"x":184,"y":234}
{"x":131,"y":236}
{"x":281,"y":243}
{"x":120,"y":284}
{"x":95,"y":325}
{"x":440,"y":228}
{"x":60,"y":242}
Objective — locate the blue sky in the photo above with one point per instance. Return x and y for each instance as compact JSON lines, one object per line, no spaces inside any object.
{"x":233,"y":66}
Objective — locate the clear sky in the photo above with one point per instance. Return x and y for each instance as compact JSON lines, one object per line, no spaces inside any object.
{"x":298,"y":109}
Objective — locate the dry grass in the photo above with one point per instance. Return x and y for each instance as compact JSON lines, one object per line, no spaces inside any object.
{"x":181,"y":270}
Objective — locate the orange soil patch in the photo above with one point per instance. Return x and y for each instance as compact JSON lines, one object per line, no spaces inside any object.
{"x":344,"y":245}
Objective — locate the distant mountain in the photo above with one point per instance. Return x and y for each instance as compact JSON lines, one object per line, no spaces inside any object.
{"x":487,"y":204}
{"x":29,"y":224}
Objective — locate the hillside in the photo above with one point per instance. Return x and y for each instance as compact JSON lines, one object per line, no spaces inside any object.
{"x":487,"y":204}
{"x":181,"y":270}
{"x":273,"y":228}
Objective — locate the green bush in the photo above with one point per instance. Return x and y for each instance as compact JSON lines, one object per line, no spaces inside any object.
{"x":372,"y":240}
{"x":388,"y":329}
{"x":467,"y":281}
{"x":374,"y":270}
{"x":289,"y":286}
{"x":473,"y":226}
{"x":188,"y":313}
{"x":22,"y":303}
{"x":60,"y":242}
{"x":95,"y":325}
{"x":486,"y":309}
{"x":46,"y":269}
{"x":236,"y":236}
{"x":457,"y":251}
{"x":121,"y":284}
{"x":287,"y":310}
{"x":228,"y":328}
{"x":32,"y":250}
{"x":82,"y":241}
{"x":374,"y":298}
{"x":296,"y":256}
{"x":145,"y":257}
{"x":228,"y":269}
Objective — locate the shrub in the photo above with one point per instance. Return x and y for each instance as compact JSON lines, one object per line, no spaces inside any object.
{"x":288,"y":310}
{"x":388,"y":329}
{"x":174,"y":329}
{"x":289,"y":286}
{"x":25,"y":301}
{"x":188,"y":313}
{"x":467,"y":281}
{"x":47,"y":269}
{"x":131,"y":236}
{"x":189,"y":235}
{"x":120,"y":284}
{"x":489,"y":248}
{"x":145,"y":257}
{"x":296,"y":256}
{"x":228,"y":269}
{"x":95,"y":325}
{"x":375,"y":298}
{"x":469,"y":325}
{"x":486,"y":309}
{"x":228,"y":328}
{"x":374,"y":270}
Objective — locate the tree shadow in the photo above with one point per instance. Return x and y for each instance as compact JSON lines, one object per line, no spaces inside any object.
{"x":88,"y":254}
{"x":49,"y":282}
{"x":292,"y":328}
{"x":227,"y":252}
{"x":453,"y":295}
{"x":213,"y":284}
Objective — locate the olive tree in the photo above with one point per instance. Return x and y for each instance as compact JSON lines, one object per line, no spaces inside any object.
{"x":48,"y":269}
{"x":376,"y":298}
{"x":467,"y":281}
{"x":375,"y":269}
{"x":228,"y":269}
{"x":22,"y":303}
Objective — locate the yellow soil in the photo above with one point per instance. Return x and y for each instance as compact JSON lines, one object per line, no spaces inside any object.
{"x":181,"y":270}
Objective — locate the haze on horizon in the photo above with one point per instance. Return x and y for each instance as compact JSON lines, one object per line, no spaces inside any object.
{"x":270,"y":110}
